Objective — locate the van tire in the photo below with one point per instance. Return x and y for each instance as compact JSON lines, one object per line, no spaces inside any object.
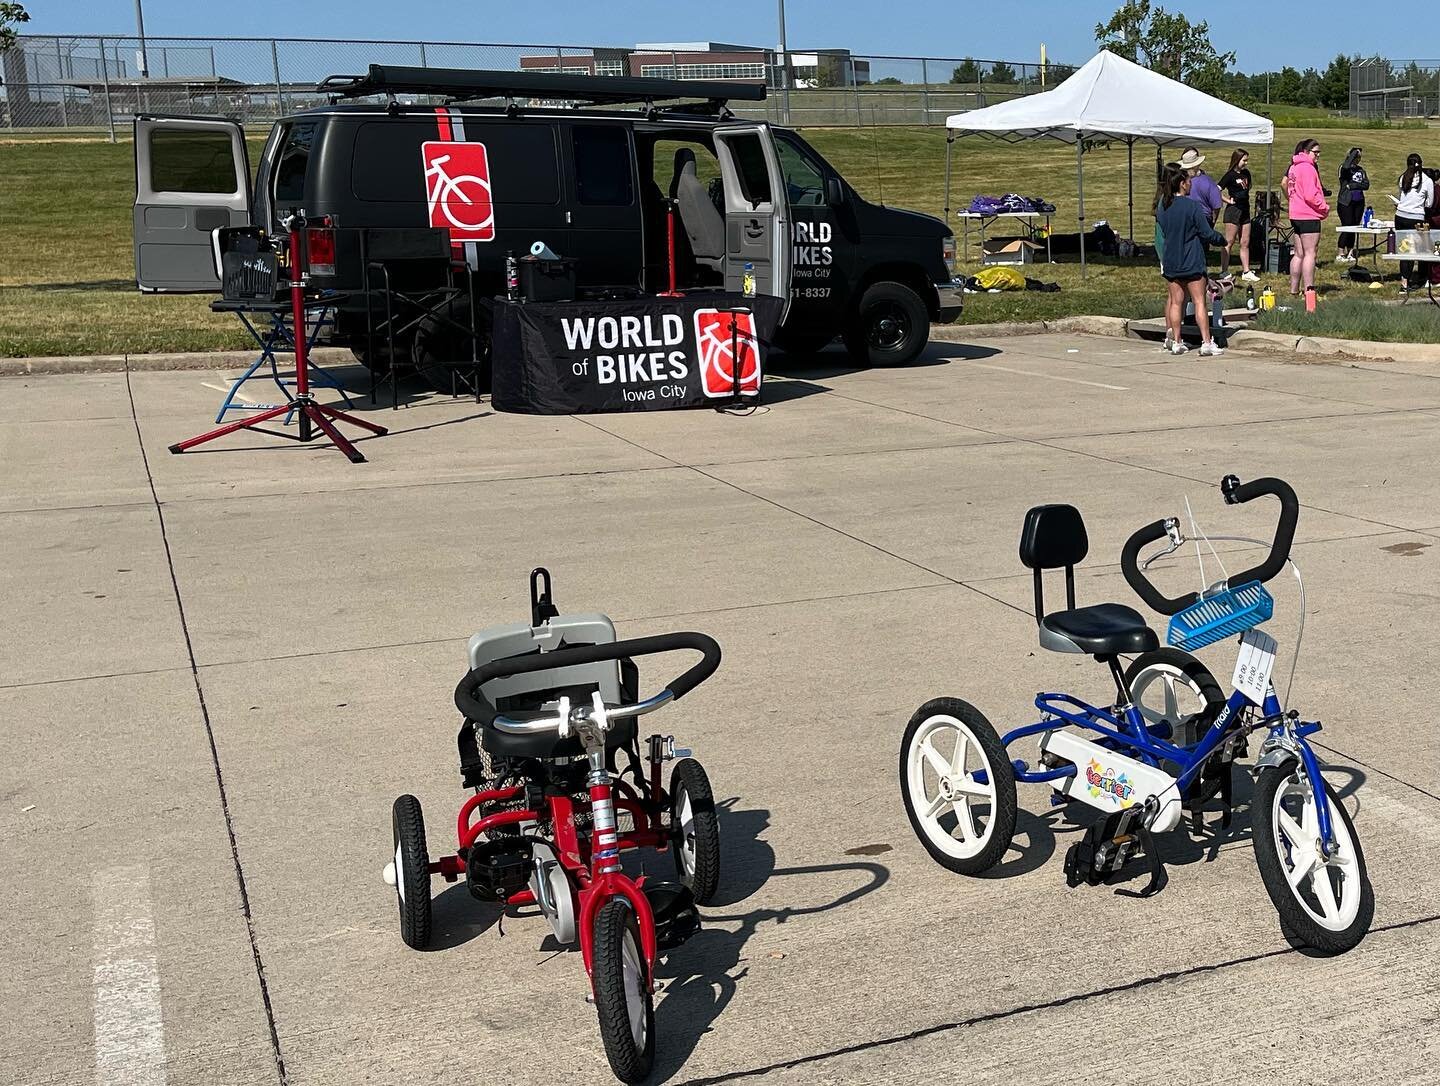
{"x":890,"y":327}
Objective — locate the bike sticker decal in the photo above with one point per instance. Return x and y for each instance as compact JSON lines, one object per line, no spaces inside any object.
{"x":1105,"y":782}
{"x":457,"y":188}
{"x":719,"y":338}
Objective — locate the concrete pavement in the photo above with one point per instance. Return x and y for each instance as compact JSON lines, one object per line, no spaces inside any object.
{"x":217,"y":671}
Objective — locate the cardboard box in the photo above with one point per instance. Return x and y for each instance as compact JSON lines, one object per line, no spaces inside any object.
{"x":1008,"y":251}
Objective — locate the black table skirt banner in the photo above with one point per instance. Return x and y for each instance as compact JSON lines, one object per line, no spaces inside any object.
{"x":635,"y":354}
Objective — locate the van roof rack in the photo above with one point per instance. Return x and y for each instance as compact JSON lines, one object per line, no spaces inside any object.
{"x":466,"y":84}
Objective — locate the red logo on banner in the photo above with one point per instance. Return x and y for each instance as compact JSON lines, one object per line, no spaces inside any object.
{"x":726,"y":342}
{"x":457,"y":189}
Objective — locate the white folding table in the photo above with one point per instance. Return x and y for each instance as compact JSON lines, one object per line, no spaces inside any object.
{"x":1027,"y":217}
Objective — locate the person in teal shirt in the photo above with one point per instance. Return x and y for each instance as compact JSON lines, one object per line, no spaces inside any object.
{"x":1186,"y":230}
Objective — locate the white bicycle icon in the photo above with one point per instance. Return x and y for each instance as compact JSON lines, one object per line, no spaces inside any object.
{"x":448,"y":192}
{"x":717,"y":354}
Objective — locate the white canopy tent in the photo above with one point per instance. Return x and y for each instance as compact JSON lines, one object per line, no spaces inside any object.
{"x":1112,"y":98}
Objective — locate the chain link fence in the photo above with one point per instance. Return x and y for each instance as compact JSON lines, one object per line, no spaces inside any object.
{"x":1381,"y":88}
{"x":100,"y":83}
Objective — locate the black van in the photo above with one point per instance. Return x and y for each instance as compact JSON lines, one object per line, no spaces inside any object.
{"x":569,"y":168}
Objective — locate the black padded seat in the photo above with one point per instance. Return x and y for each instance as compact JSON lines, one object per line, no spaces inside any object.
{"x":1102,"y":629}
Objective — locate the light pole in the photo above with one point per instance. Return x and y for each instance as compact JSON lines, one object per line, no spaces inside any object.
{"x":140,"y":25}
{"x":784,"y":68}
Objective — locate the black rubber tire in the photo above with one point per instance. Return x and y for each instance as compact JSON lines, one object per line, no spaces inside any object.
{"x":614,"y":926}
{"x":1293,"y":917}
{"x":412,"y":873}
{"x":1002,"y":814}
{"x":437,"y":346}
{"x":1188,"y":666}
{"x":891,"y":326}
{"x":689,"y":776}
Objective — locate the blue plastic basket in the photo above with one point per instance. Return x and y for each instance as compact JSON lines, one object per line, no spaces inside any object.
{"x":1222,"y":615}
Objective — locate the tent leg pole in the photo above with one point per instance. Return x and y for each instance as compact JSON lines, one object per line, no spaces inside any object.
{"x":1080,"y":192}
{"x":949,"y":143}
{"x":1130,"y":175}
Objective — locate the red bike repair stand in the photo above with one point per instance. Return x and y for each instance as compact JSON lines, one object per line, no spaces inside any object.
{"x":313,"y":416}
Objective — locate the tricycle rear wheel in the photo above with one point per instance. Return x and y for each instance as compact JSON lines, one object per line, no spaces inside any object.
{"x":695,"y":830}
{"x":412,"y":872}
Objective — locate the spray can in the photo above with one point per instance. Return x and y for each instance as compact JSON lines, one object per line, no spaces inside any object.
{"x":747,"y":280}
{"x":512,"y":276}
{"x":1250,"y":299}
{"x":1309,"y":299}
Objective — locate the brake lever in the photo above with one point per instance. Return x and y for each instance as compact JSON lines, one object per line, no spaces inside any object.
{"x":1177,"y":540}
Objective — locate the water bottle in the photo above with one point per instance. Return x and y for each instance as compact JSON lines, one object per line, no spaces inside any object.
{"x":1369,"y":214}
{"x":512,"y":276}
{"x":1309,"y":299}
{"x":1390,"y":242}
{"x":1217,"y":313}
{"x":747,"y":280}
{"x":1250,"y":299}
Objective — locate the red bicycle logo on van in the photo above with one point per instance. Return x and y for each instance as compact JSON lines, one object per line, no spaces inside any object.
{"x":457,"y":189}
{"x":726,"y":342}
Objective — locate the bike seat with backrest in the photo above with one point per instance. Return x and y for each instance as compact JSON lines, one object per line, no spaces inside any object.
{"x":1053,"y":537}
{"x":537,"y":694}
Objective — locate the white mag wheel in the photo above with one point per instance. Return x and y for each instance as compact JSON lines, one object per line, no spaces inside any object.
{"x":964,"y":823}
{"x":1325,"y":902}
{"x":1172,"y":686}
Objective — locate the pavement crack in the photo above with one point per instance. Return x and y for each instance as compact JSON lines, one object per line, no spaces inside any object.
{"x":281,"y":1074}
{"x":1028,"y":1008}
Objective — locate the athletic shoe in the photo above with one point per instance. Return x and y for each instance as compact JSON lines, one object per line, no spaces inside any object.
{"x":1211,"y":350}
{"x":1178,"y":348}
{"x":1250,"y":277}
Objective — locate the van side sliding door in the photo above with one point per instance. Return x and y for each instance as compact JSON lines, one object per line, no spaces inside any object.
{"x":192,"y":176}
{"x":757,"y":212}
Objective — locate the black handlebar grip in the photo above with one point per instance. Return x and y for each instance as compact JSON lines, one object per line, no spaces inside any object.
{"x":1130,"y":566}
{"x":1237,"y":493}
{"x":474,"y":705}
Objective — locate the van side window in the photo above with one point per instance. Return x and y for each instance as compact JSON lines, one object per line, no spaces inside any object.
{"x":749,"y":157}
{"x":189,"y":161}
{"x":603,"y":173}
{"x":804,"y":182}
{"x":290,"y":169}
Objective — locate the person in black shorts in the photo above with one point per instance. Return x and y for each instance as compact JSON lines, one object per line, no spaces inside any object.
{"x":1354,"y":183}
{"x":1235,"y":192}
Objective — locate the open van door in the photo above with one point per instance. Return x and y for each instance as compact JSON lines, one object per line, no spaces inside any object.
{"x":192,"y":176}
{"x":757,"y":211}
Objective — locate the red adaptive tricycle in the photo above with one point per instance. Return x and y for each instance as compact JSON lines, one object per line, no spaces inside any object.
{"x":550,"y":708}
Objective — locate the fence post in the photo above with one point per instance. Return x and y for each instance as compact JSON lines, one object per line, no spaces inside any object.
{"x":855,"y":85}
{"x":213,"y":73}
{"x":422,"y":56}
{"x":105,"y":82}
{"x":279,"y":93}
{"x":60,"y":79}
{"x":925,"y":89}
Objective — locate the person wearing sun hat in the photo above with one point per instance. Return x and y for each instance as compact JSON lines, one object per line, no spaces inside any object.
{"x":1203,"y":189}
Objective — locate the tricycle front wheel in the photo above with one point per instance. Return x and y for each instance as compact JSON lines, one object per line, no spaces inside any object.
{"x":1325,"y":902}
{"x":964,"y":823}
{"x":623,"y":998}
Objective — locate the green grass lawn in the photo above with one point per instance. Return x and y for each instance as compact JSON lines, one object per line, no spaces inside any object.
{"x":67,"y":272}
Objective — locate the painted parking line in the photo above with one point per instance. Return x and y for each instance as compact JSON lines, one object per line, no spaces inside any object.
{"x":1049,"y":376}
{"x":129,"y":1028}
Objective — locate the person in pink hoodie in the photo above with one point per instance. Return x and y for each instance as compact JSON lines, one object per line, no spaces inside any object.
{"x":1307,"y":208}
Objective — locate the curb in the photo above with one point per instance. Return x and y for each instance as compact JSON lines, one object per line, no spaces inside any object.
{"x":153,"y":363}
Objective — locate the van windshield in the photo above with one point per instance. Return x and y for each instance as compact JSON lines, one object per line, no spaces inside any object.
{"x":290,"y":167}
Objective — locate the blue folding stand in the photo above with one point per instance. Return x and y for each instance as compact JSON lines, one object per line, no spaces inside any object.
{"x":278,"y":337}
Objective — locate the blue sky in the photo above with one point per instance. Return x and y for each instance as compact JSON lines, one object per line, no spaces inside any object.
{"x":997,"y":30}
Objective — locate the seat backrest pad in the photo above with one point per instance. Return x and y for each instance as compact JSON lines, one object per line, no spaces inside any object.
{"x":1053,"y":537}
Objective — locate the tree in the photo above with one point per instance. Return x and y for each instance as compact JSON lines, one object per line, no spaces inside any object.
{"x":10,"y":16}
{"x":968,"y":72}
{"x":888,"y":81}
{"x":1285,"y":86}
{"x":1000,"y":72}
{"x":1335,"y":84}
{"x":1166,"y":43}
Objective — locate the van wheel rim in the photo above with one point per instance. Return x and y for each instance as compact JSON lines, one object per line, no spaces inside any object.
{"x":943,"y":759}
{"x":888,"y":326}
{"x":634,"y":975}
{"x":1313,"y":879}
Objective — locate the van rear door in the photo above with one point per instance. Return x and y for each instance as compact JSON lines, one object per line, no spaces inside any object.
{"x":192,"y":176}
{"x":757,"y":212}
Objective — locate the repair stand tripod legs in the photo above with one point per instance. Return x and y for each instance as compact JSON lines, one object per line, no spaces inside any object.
{"x":310,"y":412}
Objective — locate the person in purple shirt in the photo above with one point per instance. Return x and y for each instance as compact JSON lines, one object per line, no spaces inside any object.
{"x":1203,"y":189}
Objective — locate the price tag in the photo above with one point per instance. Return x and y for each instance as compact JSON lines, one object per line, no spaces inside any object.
{"x":1256,"y":662}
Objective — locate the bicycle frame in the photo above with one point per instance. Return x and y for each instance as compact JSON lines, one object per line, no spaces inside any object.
{"x":594,"y":872}
{"x":1131,"y":736}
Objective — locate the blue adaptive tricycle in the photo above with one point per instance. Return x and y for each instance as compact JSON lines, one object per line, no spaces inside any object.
{"x":1147,"y":759}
